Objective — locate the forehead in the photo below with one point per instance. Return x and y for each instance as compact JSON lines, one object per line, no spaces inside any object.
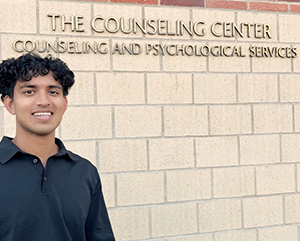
{"x":39,"y":82}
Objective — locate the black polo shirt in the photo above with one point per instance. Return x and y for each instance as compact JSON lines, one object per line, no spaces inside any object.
{"x":62,"y":202}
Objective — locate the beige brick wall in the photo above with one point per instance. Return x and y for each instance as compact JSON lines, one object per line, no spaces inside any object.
{"x":279,"y":233}
{"x":188,"y":185}
{"x":234,"y":182}
{"x":122,"y":155}
{"x":257,"y":88}
{"x":15,"y":11}
{"x":215,"y":88}
{"x":217,"y":151}
{"x":263,"y":211}
{"x":149,"y":186}
{"x":171,"y":153}
{"x":117,"y":88}
{"x":245,"y":235}
{"x":259,"y":149}
{"x":188,"y":147}
{"x":218,"y":215}
{"x":175,"y":219}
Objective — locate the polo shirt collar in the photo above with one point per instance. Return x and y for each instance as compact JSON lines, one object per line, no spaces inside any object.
{"x":63,"y":151}
{"x":9,"y":149}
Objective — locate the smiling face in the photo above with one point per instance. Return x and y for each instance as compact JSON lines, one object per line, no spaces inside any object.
{"x":38,"y":104}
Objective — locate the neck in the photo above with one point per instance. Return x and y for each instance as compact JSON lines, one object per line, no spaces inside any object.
{"x":41,"y":146}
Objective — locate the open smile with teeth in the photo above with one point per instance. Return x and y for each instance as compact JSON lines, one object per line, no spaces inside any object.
{"x":42,"y":114}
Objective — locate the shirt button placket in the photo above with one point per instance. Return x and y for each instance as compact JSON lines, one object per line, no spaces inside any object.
{"x":46,"y":181}
{"x":45,"y":187}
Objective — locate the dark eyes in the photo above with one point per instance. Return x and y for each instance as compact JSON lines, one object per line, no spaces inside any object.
{"x":28,"y":92}
{"x":53,"y":92}
{"x":31,"y":92}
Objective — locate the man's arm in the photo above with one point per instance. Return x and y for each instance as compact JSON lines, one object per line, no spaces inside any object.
{"x":98,"y":227}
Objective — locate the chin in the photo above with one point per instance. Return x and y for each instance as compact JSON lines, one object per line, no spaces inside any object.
{"x":43,"y":132}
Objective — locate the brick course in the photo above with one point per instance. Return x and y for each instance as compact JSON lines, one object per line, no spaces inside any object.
{"x":188,"y":147}
{"x":226,"y":4}
{"x":268,"y":7}
{"x":272,"y":5}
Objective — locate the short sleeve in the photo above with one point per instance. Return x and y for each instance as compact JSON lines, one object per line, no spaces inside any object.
{"x":98,"y":227}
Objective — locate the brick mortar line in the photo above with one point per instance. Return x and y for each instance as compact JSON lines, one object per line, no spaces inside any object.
{"x":146,"y":88}
{"x":193,"y":88}
{"x":252,"y":119}
{"x":197,"y":218}
{"x":194,"y":153}
{"x":95,"y":88}
{"x":37,"y":17}
{"x":199,"y":201}
{"x":180,"y":137}
{"x":165,"y":184}
{"x":256,"y":229}
{"x":288,"y":4}
{"x":208,"y":121}
{"x":212,"y":183}
{"x":150,"y":222}
{"x":97,"y":160}
{"x":239,"y":150}
{"x":162,"y":121}
{"x":293,"y":118}
{"x":296,"y":177}
{"x":150,"y":39}
{"x":113,"y":122}
{"x":280,"y":149}
{"x":171,"y":5}
{"x":242,"y":214}
{"x":278,"y":88}
{"x":254,"y":166}
{"x":187,"y":72}
{"x":148,"y":155}
{"x":237,"y":88}
{"x":283,"y":210}
{"x":245,"y":104}
{"x":115,"y":190}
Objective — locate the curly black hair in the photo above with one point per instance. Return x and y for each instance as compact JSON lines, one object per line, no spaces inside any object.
{"x":32,"y":65}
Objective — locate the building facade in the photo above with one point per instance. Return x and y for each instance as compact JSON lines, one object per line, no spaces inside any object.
{"x":189,"y":109}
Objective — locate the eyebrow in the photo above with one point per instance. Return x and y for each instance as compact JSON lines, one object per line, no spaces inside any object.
{"x":26,"y":86}
{"x":34,"y":86}
{"x":55,"y":87}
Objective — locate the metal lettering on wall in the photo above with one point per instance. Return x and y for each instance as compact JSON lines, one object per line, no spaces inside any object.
{"x":133,"y":26}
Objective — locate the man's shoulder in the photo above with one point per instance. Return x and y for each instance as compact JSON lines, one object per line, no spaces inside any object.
{"x":83,"y":164}
{"x":5,"y":141}
{"x":7,"y":149}
{"x":85,"y":168}
{"x":82,"y":160}
{"x":72,"y":155}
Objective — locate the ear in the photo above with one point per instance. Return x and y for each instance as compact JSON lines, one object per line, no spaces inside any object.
{"x":9,"y":105}
{"x":66,"y":103}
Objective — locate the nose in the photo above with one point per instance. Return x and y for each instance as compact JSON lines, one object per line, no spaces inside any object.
{"x":42,"y":99}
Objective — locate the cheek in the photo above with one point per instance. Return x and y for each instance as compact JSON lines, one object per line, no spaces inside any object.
{"x":61,"y":106}
{"x":19,"y":108}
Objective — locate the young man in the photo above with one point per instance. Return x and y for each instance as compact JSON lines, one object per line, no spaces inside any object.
{"x":47,"y":192}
